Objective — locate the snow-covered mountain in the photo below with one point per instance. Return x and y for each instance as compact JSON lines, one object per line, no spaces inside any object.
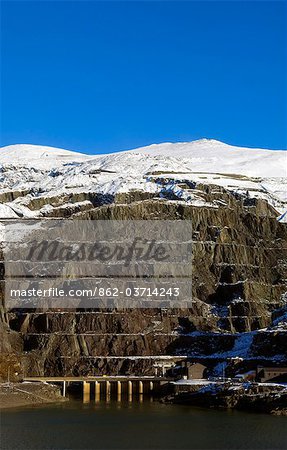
{"x":205,"y":155}
{"x":29,"y":172}
{"x":37,"y":155}
{"x":208,"y":155}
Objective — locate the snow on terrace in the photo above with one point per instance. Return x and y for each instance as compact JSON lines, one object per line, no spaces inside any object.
{"x":194,"y":382}
{"x":273,"y":190}
{"x":47,"y":171}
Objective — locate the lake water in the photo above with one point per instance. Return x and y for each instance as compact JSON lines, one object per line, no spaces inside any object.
{"x":147,"y":425}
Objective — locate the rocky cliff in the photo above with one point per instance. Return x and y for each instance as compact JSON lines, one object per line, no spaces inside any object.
{"x":239,"y":283}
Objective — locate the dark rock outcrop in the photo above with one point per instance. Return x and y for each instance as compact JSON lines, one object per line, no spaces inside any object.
{"x":239,"y":278}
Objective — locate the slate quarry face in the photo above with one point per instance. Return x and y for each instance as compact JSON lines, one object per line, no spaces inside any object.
{"x":238,"y":292}
{"x":235,"y":200}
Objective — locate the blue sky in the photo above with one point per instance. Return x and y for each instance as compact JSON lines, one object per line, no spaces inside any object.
{"x":105,"y":76}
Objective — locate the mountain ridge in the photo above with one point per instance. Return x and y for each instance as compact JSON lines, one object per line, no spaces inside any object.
{"x":31,"y":174}
{"x":206,"y":155}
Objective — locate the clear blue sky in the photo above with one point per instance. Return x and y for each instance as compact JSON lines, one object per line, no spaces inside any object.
{"x":104,"y":76}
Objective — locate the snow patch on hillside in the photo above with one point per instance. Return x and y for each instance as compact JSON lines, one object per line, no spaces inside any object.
{"x":211,"y":156}
{"x":37,"y":155}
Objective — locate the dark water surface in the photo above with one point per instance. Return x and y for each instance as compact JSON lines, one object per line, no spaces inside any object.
{"x":147,"y":425}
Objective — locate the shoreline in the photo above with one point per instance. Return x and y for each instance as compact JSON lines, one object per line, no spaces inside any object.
{"x":15,"y":395}
{"x":252,"y":397}
{"x":265,"y":398}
